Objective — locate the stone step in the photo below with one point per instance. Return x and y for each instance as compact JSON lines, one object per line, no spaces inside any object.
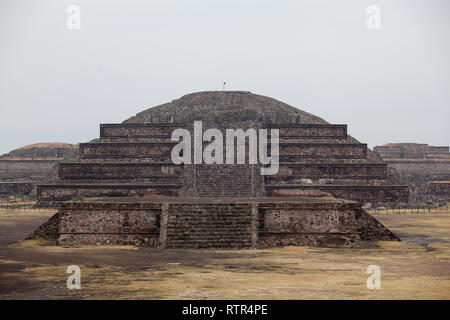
{"x":196,"y":215}
{"x":212,"y":241}
{"x":209,"y":245}
{"x":215,"y":232}
{"x":212,"y":237}
{"x":196,"y":219}
{"x":290,"y":151}
{"x":153,"y":130}
{"x":292,"y":180}
{"x":126,"y":151}
{"x":310,"y":131}
{"x":130,"y":131}
{"x":150,"y":180}
{"x":54,"y":193}
{"x":224,"y":228}
{"x":221,"y":215}
{"x":118,"y":170}
{"x":335,"y":171}
{"x":363,"y":193}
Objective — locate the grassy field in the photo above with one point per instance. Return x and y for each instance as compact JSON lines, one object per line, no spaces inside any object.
{"x":416,"y":268}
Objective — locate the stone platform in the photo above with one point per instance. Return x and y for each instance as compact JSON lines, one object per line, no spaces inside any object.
{"x":131,"y":159}
{"x":10,"y":188}
{"x":146,"y":199}
{"x":179,"y":222}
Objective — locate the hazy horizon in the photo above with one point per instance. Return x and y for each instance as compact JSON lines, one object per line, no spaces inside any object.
{"x":389,"y":85}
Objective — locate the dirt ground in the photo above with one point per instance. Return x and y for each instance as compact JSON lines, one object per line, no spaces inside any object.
{"x":416,"y":268}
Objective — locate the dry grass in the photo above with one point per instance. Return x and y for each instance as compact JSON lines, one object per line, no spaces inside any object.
{"x":409,"y":269}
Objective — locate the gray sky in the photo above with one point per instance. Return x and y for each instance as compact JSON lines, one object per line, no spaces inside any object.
{"x":388,"y":85}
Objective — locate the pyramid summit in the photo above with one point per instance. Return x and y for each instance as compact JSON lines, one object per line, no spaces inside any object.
{"x":230,"y":106}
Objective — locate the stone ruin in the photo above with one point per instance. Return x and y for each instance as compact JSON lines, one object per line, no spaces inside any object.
{"x":22,"y":169}
{"x":125,"y":188}
{"x":425,"y":168}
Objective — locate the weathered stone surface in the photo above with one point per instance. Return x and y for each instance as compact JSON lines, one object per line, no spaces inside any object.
{"x":47,"y":231}
{"x":23,"y":168}
{"x":360,"y":193}
{"x":216,"y":222}
{"x":16,"y":170}
{"x":292,"y":171}
{"x":420,"y":166}
{"x":127,"y":151}
{"x":120,"y":172}
{"x":55,"y":193}
{"x":370,"y":228}
{"x":412,"y":151}
{"x":16,"y":188}
{"x":291,"y":132}
{"x":221,"y":205}
{"x":440,"y":190}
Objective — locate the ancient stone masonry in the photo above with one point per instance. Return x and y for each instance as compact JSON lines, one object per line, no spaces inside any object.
{"x":441,"y":190}
{"x":412,"y":151}
{"x":426,"y":169}
{"x":16,"y":188}
{"x":224,"y":223}
{"x":225,"y":205}
{"x":23,"y":168}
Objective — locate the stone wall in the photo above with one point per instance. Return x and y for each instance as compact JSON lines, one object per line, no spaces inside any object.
{"x":412,"y":151}
{"x":216,"y":223}
{"x":55,"y":193}
{"x":294,"y":172}
{"x":47,"y":231}
{"x":313,"y":224}
{"x":100,"y":171}
{"x":136,"y":131}
{"x":16,"y":188}
{"x":292,"y":151}
{"x":365,"y":194}
{"x":312,"y":152}
{"x":424,"y":168}
{"x":418,"y":174}
{"x":441,"y":190}
{"x":129,"y":151}
{"x":91,"y":224}
{"x":311,"y":131}
{"x":25,"y":169}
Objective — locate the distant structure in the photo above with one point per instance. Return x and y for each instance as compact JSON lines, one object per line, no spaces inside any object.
{"x":125,"y":188}
{"x":23,"y":168}
{"x":425,"y":168}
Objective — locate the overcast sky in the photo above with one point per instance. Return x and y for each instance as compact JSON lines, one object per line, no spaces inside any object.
{"x":388,"y":85}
